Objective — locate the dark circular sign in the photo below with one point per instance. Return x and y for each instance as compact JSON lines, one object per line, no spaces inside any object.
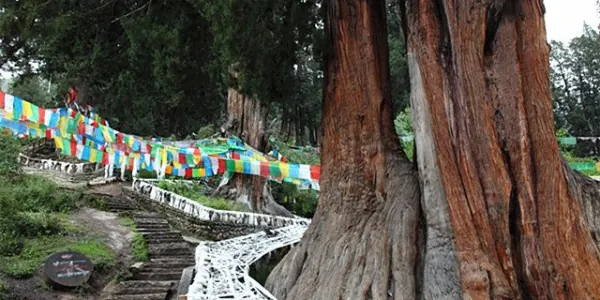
{"x":68,"y":269}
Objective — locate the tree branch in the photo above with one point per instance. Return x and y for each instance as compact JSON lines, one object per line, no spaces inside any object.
{"x":132,"y":12}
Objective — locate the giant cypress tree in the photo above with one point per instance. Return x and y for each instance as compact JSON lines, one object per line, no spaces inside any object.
{"x":498,"y":216}
{"x":258,"y":42}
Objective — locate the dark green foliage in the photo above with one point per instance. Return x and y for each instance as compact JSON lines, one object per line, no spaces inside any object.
{"x":399,"y":77}
{"x":150,"y":66}
{"x":300,"y":202}
{"x":197,"y":193}
{"x":9,"y":156}
{"x":139,"y":248}
{"x":35,"y":90}
{"x":295,"y":155}
{"x":575,"y":78}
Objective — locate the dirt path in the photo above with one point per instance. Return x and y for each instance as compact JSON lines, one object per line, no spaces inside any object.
{"x":105,"y":224}
{"x":113,"y":190}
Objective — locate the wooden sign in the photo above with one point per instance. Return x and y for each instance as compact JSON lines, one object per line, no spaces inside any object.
{"x":68,"y":269}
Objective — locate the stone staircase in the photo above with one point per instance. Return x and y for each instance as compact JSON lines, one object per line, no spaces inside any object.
{"x":169,"y":255}
{"x":119,"y":205}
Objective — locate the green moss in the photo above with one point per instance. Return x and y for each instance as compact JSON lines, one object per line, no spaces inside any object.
{"x":139,"y":248}
{"x":127,"y":222}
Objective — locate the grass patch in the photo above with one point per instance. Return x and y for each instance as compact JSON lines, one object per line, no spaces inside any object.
{"x":196,"y":192}
{"x":36,"y":251}
{"x":126,"y":222}
{"x":139,"y":248}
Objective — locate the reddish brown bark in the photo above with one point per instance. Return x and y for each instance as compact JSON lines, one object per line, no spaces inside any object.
{"x":247,"y":119}
{"x":485,"y":133}
{"x":361,"y":242}
{"x":502,"y":218}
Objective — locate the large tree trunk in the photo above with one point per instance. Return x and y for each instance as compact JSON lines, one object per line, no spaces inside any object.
{"x":247,"y":119}
{"x":361,"y":242}
{"x":502,"y":217}
{"x":485,"y":135}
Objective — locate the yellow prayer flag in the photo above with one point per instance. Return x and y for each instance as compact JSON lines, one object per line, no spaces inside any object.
{"x":93,"y":155}
{"x":58,"y":142}
{"x":285,"y":170}
{"x":239,"y":166}
{"x":27,"y":112}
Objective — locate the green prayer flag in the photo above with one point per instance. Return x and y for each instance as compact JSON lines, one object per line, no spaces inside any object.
{"x":583,"y":166}
{"x":567,"y":141}
{"x":99,"y":155}
{"x":189,"y":159}
{"x":35,"y":116}
{"x":275,"y":170}
{"x":230,"y":165}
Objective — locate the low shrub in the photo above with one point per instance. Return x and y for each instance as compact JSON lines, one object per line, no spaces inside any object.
{"x":10,"y":148}
{"x":139,"y":248}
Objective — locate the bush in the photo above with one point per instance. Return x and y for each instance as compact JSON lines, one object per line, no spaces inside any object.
{"x":9,"y":156}
{"x":37,"y":194}
{"x":10,"y":243}
{"x":36,"y":224}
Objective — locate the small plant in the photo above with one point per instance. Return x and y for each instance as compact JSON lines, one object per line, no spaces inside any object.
{"x":139,"y":248}
{"x":123,"y":275}
{"x":96,"y":202}
{"x":126,"y":221}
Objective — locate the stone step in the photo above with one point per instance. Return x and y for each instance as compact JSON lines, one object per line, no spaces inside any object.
{"x":140,"y":284}
{"x":152,"y":226}
{"x":172,"y":275}
{"x":155,"y":230}
{"x":146,"y":215}
{"x":157,"y":296}
{"x":169,"y":252}
{"x":142,"y":291}
{"x":164,"y":241}
{"x":118,"y":210}
{"x":164,"y":235}
{"x":150,"y":221}
{"x":162,"y":269}
{"x":184,"y":259}
{"x":181,"y":264}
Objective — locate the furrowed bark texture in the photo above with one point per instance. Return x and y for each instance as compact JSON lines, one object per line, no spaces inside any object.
{"x":248,"y":120}
{"x":488,"y":159}
{"x":362,"y":241}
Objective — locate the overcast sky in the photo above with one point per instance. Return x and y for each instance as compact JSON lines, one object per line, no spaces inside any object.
{"x":564,"y":19}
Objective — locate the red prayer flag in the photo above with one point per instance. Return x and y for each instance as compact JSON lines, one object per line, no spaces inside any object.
{"x":222,"y":165}
{"x":188,"y":173}
{"x":2,"y":99}
{"x":73,"y":148}
{"x":315,"y":172}
{"x":265,"y":169}
{"x":41,"y":113}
